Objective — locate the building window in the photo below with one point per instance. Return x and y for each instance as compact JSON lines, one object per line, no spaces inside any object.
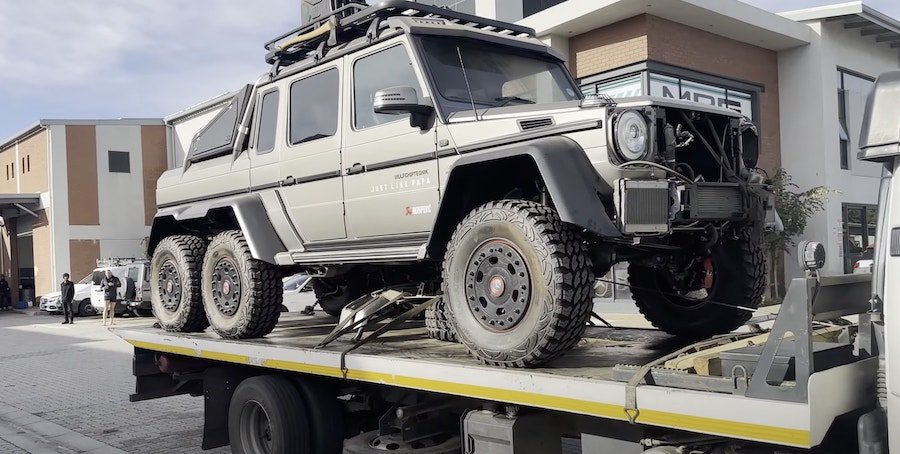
{"x":674,"y":87}
{"x":530,"y":7}
{"x":852,"y":90}
{"x":119,"y":162}
{"x":860,"y":223}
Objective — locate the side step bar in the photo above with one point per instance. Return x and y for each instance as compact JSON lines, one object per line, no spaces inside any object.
{"x":357,"y":255}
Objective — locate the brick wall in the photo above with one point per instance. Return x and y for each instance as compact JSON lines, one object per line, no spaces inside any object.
{"x":610,"y":47}
{"x":688,"y":47}
{"x":33,"y":164}
{"x":648,"y":37}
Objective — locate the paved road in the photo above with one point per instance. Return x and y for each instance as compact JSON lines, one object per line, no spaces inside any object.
{"x":64,"y":389}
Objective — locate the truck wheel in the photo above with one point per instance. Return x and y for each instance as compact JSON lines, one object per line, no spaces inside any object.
{"x":325,"y":413}
{"x":175,"y":283}
{"x":85,"y":309}
{"x":518,"y":283}
{"x":437,"y":322}
{"x":734,"y":272}
{"x":242,"y":295}
{"x":370,"y":442}
{"x":267,"y":415}
{"x":332,"y":296}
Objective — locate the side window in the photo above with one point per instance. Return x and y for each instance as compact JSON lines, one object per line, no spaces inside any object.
{"x":132,"y":274}
{"x":268,"y":118}
{"x":314,"y":107}
{"x":388,"y":68}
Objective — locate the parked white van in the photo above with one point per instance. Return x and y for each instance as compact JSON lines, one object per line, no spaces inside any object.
{"x":134,"y":295}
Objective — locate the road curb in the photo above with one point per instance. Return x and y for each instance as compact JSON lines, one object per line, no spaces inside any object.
{"x":32,"y":433}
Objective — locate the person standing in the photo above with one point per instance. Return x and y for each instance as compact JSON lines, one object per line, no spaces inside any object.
{"x":66,"y":296}
{"x":110,"y":285}
{"x":5,"y":294}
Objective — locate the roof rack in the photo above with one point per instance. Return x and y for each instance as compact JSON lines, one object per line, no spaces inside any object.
{"x":118,"y":261}
{"x":355,"y":20}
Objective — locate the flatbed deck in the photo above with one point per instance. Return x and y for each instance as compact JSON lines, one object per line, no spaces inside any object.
{"x":580,"y":382}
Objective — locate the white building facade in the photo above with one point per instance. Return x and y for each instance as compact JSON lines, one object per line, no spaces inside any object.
{"x":72,"y":192}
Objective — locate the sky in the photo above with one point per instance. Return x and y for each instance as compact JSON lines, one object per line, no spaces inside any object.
{"x":150,"y":58}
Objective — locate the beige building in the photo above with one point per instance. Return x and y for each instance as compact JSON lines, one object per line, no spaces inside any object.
{"x":69,"y":190}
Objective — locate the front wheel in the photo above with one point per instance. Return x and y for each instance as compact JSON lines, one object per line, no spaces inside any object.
{"x":517,"y":282}
{"x":85,"y":309}
{"x":242,"y":296}
{"x":698,"y":300}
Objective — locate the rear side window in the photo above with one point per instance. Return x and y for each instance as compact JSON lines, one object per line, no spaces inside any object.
{"x":268,"y":118}
{"x":314,"y":107}
{"x":388,"y":68}
{"x":133,"y":274}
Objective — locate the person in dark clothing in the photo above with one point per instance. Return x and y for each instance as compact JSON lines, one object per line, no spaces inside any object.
{"x":110,"y":285}
{"x":5,"y":297}
{"x":67,"y":295}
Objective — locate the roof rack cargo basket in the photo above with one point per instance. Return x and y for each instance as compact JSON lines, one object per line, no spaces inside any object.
{"x":316,"y":10}
{"x":336,"y":21}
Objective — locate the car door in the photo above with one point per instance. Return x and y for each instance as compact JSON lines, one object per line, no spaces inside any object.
{"x":263,"y":151}
{"x":390,"y":169}
{"x":310,"y":165}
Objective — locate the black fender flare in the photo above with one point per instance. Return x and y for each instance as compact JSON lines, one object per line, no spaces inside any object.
{"x":248,"y":210}
{"x":567,"y":173}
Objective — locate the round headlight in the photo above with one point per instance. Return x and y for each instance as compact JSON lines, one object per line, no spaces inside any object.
{"x":632,"y":134}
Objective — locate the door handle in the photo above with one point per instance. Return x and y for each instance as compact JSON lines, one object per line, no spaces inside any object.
{"x":356,"y":168}
{"x":288,"y":181}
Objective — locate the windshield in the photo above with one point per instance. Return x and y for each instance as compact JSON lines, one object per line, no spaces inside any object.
{"x":497,"y":76}
{"x":87,"y":279}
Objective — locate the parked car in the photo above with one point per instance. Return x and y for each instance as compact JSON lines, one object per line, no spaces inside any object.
{"x":296,"y":297}
{"x":864,"y":264}
{"x":134,"y":295}
{"x":83,"y":307}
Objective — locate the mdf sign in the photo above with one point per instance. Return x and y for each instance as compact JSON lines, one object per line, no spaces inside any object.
{"x":675,"y":88}
{"x":672,"y":87}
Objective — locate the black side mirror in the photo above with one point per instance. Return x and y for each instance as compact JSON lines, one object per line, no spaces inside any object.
{"x":404,"y":100}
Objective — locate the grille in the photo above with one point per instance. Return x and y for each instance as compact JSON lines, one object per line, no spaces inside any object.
{"x":716,"y":202}
{"x":535,"y":123}
{"x":643,"y":206}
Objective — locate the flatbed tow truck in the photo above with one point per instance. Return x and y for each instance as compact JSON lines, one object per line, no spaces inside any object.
{"x":312,"y":387}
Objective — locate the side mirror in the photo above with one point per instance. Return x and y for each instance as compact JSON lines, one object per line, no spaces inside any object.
{"x":404,"y":100}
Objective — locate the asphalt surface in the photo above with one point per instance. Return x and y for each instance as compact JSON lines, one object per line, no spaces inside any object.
{"x":64,"y":389}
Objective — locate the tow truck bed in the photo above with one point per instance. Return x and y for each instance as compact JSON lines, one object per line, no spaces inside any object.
{"x":580,"y":382}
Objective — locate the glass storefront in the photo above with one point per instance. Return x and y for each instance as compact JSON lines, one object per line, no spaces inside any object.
{"x":666,"y":86}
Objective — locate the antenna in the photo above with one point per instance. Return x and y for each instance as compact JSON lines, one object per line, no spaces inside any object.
{"x":466,"y":78}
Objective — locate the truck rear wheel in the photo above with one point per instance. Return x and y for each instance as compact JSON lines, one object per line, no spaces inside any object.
{"x":518,"y":284}
{"x":242,"y":295}
{"x":733,"y":273}
{"x":268,"y":416}
{"x":175,"y":283}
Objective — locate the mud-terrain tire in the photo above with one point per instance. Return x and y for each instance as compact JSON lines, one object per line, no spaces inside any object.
{"x":438,"y":324}
{"x":739,"y":277}
{"x":525,"y":248}
{"x":268,"y":414}
{"x":242,"y":296}
{"x":175,"y":284}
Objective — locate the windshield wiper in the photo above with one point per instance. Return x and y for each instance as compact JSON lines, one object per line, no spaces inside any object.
{"x":508,"y":99}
